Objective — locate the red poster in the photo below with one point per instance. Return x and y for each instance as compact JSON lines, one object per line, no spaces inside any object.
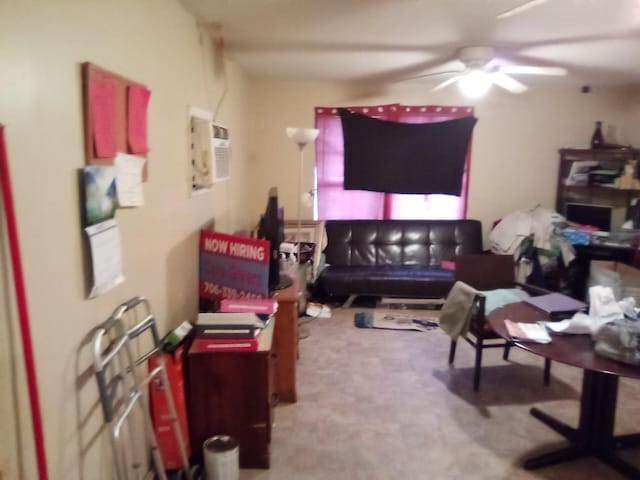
{"x":102,"y":93}
{"x":233,"y":267}
{"x":137,"y":103}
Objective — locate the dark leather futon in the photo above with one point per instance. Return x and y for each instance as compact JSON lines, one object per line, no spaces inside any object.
{"x":394,"y":258}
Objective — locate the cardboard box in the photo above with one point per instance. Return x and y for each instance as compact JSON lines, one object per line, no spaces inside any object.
{"x":622,"y":278}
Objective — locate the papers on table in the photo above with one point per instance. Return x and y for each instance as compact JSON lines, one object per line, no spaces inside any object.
{"x":580,"y":323}
{"x":603,"y":308}
{"x":527,"y":332}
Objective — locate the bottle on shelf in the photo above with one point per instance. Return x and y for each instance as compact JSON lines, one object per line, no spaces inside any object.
{"x":597,"y":139}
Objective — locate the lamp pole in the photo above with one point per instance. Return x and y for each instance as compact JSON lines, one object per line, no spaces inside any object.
{"x":301,"y":137}
{"x":300,"y":170}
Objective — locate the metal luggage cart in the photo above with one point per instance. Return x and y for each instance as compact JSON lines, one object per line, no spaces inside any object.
{"x":123,"y":384}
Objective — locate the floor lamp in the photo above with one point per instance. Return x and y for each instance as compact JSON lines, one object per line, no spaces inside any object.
{"x":301,"y":137}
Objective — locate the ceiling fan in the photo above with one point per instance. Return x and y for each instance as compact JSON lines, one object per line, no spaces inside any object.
{"x":481,"y":68}
{"x":520,"y":8}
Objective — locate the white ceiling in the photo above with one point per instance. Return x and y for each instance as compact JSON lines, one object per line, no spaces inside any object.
{"x":598,"y":41}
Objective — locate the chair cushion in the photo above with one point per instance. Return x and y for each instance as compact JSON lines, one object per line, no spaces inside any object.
{"x":502,"y":296}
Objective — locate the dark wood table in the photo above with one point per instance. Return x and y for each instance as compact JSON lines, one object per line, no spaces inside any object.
{"x":594,"y":435}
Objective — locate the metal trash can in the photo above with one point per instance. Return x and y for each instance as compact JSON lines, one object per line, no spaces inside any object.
{"x":221,"y":458}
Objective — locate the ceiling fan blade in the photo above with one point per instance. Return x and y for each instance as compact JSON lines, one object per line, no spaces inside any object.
{"x":446,"y":83}
{"x":530,"y":70}
{"x":427,"y":75}
{"x":520,"y":8}
{"x":508,"y":83}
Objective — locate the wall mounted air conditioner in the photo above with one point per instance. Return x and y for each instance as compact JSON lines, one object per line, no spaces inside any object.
{"x":210,"y":150}
{"x":221,"y":153}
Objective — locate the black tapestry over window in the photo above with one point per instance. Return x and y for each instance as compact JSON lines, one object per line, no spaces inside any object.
{"x":393,"y":157}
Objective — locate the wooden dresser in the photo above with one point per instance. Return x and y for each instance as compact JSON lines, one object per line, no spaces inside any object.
{"x":233,"y":393}
{"x":285,"y":338}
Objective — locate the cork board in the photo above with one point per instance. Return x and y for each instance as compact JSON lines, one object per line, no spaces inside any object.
{"x":107,"y":116}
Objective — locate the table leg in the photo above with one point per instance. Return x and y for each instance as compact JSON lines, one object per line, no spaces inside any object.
{"x":562,"y":428}
{"x":557,"y":456}
{"x":621,"y":466}
{"x":594,"y":435}
{"x":626,"y":441}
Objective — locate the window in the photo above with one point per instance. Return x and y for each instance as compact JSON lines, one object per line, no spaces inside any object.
{"x":333,"y":202}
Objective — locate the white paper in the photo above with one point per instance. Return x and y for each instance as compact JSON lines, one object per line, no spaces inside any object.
{"x":318,"y":310}
{"x":106,"y":256}
{"x":603,"y":309}
{"x":527,"y":332}
{"x":580,"y":323}
{"x":579,"y":173}
{"x":129,"y":179}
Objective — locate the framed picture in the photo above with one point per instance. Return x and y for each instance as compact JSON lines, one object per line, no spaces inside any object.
{"x":311,"y":231}
{"x":306,"y":234}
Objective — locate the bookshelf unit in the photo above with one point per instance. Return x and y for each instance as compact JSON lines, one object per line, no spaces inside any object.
{"x":581,"y":187}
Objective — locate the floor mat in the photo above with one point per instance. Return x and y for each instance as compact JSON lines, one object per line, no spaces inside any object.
{"x":395,"y":320}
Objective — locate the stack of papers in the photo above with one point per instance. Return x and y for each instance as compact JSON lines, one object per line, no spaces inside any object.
{"x":527,"y":332}
{"x":261,"y":306}
{"x":229,"y":325}
{"x":248,"y":319}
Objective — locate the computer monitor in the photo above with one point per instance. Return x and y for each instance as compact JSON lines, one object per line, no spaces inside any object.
{"x":603,"y":217}
{"x":271,"y":228}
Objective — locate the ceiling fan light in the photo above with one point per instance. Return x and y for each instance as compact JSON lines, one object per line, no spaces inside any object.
{"x":475,"y":84}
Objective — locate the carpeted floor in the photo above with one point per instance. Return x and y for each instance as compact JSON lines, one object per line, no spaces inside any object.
{"x":384,"y":404}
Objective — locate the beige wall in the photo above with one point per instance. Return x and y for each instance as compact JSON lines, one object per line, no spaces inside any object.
{"x":42,"y":44}
{"x":515,"y":142}
{"x":632,"y":129}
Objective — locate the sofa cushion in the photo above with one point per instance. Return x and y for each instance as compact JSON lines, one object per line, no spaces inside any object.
{"x":400,"y":242}
{"x":414,"y":281}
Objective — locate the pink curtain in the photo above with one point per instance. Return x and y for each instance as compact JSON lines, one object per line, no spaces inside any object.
{"x":333,"y":202}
